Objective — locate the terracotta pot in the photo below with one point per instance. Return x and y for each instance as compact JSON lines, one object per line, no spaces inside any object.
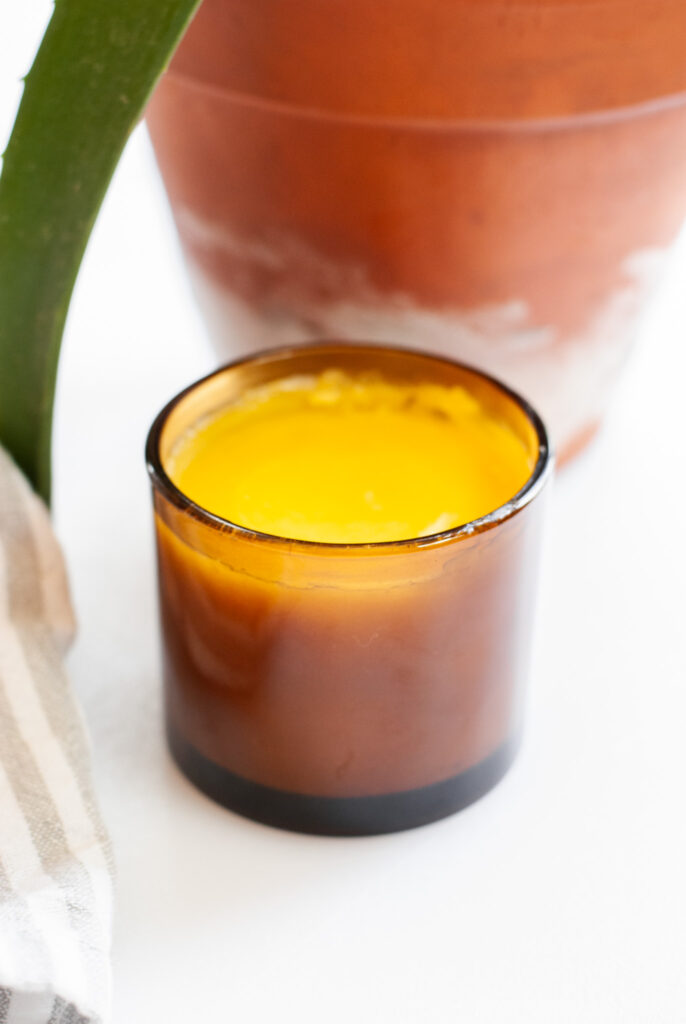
{"x":498,"y":180}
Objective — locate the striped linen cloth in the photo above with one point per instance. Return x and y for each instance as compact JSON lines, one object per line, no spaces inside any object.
{"x":55,"y":860}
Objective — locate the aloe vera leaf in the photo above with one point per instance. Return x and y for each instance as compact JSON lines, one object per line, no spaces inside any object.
{"x":94,"y":72}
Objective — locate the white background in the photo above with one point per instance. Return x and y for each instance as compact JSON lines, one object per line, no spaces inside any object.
{"x":560,"y":898}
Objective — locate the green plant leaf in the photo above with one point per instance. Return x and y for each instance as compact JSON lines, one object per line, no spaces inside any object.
{"x":92,"y":76}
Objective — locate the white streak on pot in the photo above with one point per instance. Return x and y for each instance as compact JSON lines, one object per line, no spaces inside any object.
{"x":566,"y":378}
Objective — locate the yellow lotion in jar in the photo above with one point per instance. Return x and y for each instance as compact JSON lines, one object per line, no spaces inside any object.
{"x":342,"y":459}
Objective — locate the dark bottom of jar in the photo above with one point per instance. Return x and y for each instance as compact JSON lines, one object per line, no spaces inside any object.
{"x":341,"y":816}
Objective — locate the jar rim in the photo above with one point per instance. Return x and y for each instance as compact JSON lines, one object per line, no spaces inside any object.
{"x":162,"y":482}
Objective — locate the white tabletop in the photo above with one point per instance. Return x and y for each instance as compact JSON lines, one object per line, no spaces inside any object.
{"x":560,"y":897}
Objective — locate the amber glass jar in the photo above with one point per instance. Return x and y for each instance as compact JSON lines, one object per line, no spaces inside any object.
{"x":345,"y":689}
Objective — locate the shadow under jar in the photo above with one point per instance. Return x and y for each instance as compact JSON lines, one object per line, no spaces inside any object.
{"x":345,"y":689}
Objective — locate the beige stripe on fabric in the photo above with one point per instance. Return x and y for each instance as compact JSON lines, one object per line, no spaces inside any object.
{"x":44,"y":827}
{"x":40,"y":609}
{"x":26,"y":875}
{"x":56,"y":607}
{"x":46,"y":788}
{"x":65,"y":721}
{"x":53,"y":846}
{"x":43,"y":753}
{"x":22,"y":567}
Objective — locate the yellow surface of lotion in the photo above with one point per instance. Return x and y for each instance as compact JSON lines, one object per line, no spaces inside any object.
{"x":344,"y":459}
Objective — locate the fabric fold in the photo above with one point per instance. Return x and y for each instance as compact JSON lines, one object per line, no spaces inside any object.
{"x":55,"y":855}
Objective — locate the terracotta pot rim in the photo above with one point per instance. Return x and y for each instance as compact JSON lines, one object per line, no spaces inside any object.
{"x":558,"y":122}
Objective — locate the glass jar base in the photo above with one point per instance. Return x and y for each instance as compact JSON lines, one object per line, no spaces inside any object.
{"x":341,"y":816}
